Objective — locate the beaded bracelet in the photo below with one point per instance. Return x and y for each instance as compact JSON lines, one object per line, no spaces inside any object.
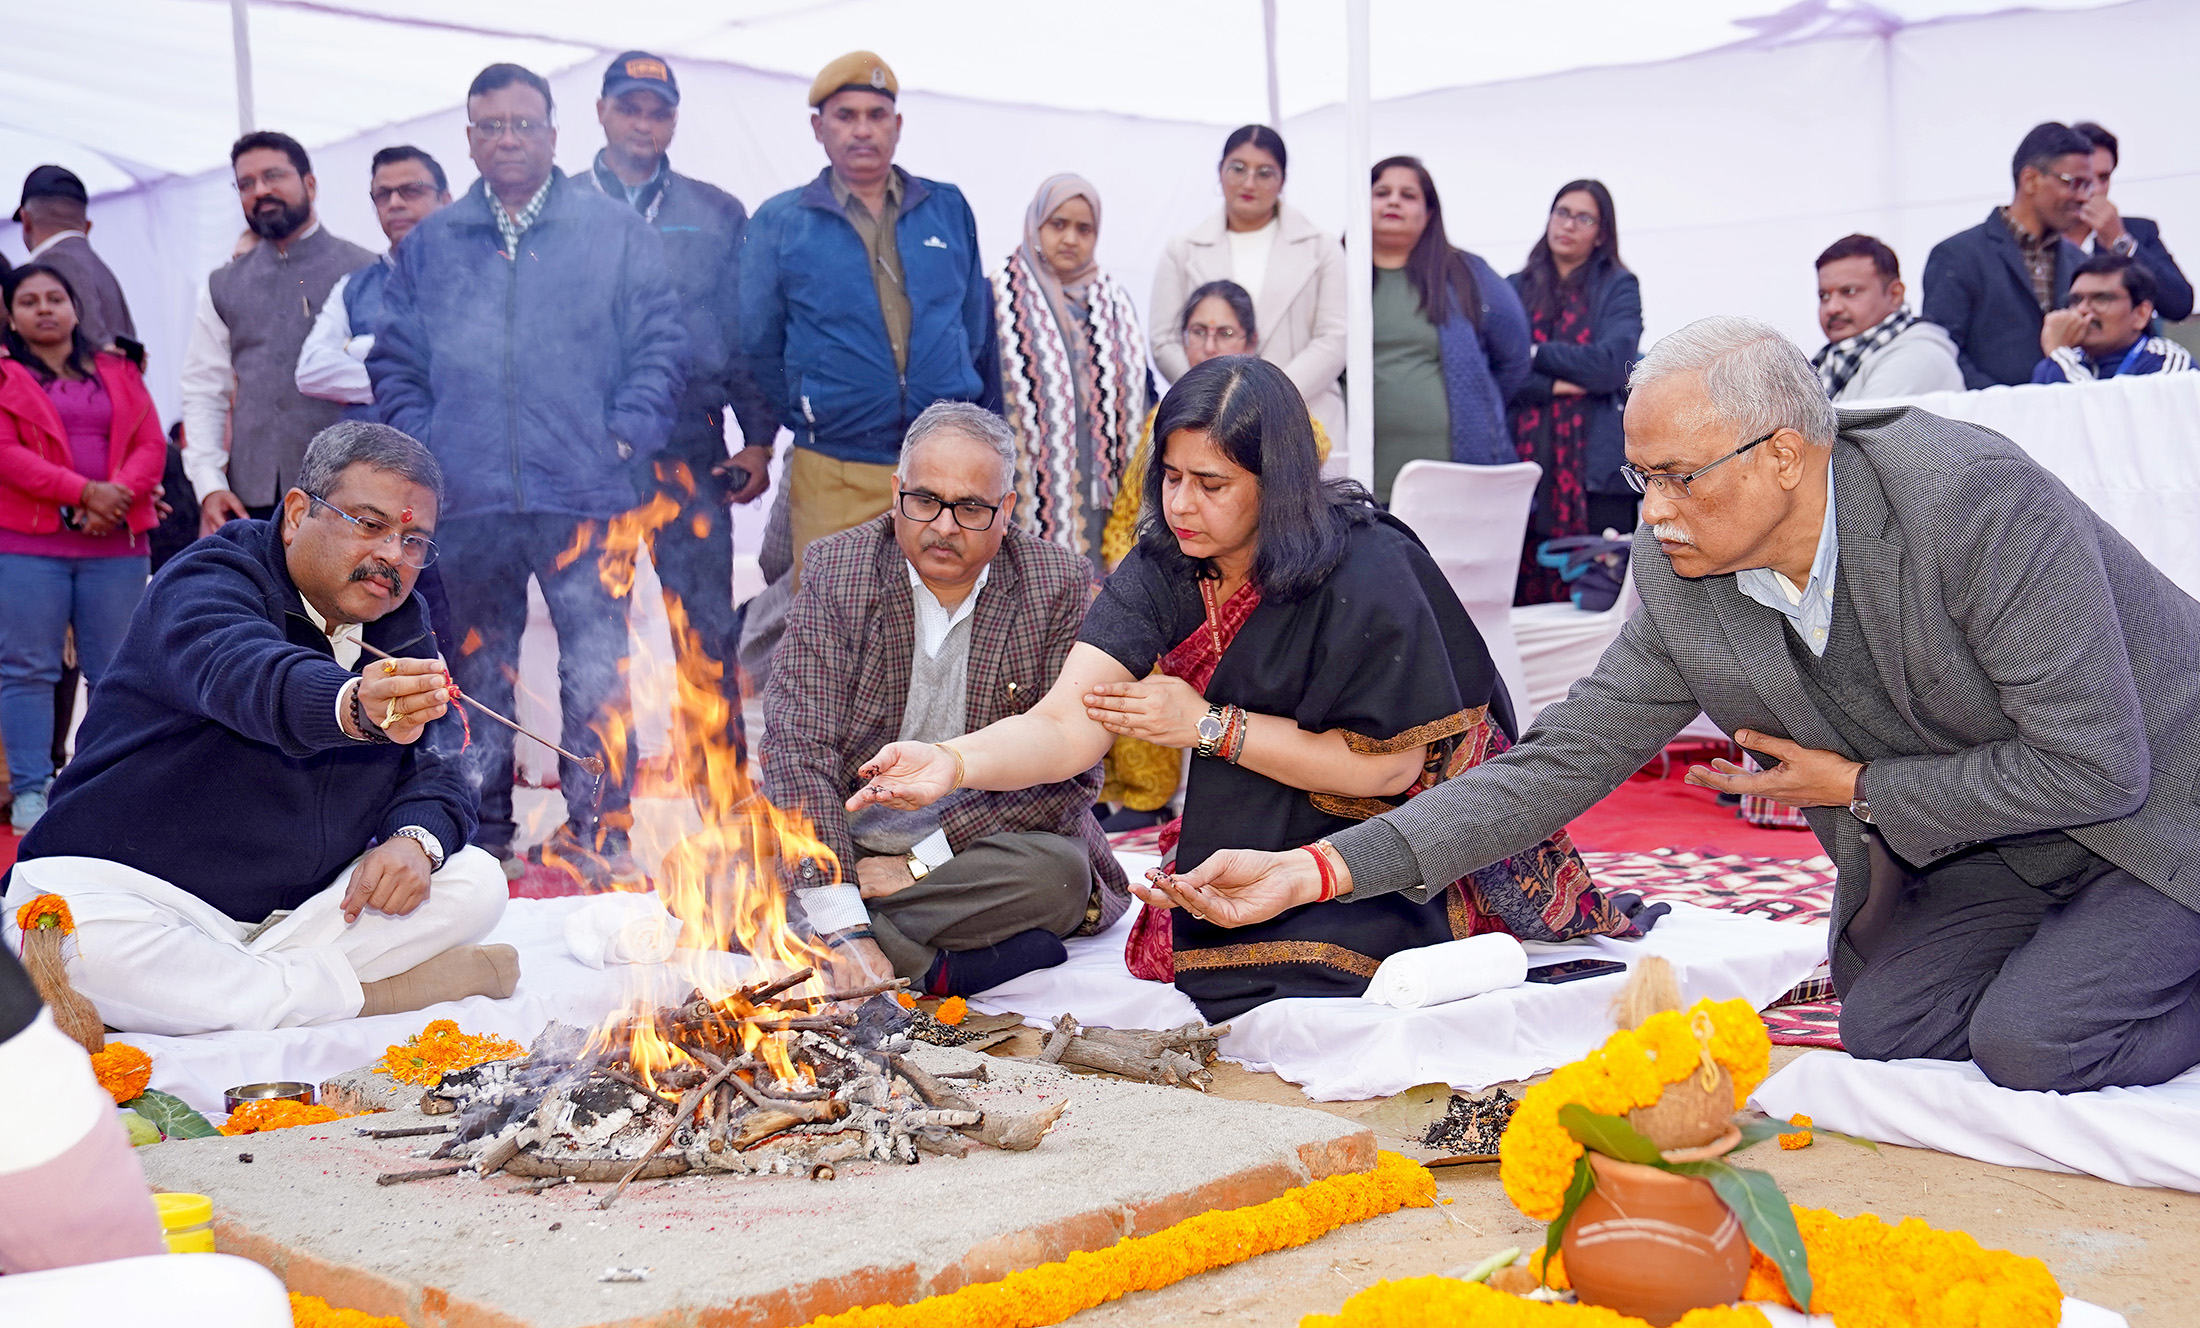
{"x":1235,"y":722}
{"x":369,"y":731}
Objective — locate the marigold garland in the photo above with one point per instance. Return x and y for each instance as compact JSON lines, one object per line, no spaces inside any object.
{"x":1630,"y":1070}
{"x":123,"y":1070}
{"x":1420,"y":1301}
{"x":314,"y":1312}
{"x":1053,"y":1292}
{"x":46,"y":911}
{"x":279,"y":1114}
{"x":1802,"y":1136}
{"x":440,"y":1049}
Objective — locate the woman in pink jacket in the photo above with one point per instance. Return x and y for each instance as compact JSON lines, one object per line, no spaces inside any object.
{"x":81,"y":454}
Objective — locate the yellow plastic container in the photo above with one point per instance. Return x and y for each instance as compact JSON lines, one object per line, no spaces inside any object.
{"x":187,"y":1221}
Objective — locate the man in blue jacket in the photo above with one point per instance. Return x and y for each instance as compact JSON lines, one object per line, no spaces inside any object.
{"x":266,"y":825}
{"x":531,"y":338}
{"x":863,"y":300}
{"x":702,"y":227}
{"x":1992,"y":285}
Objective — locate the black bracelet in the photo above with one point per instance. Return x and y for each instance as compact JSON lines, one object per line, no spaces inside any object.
{"x":367,"y":727}
{"x":837,"y":939}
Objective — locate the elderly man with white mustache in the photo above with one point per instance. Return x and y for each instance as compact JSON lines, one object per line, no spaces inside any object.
{"x":1984,"y":699}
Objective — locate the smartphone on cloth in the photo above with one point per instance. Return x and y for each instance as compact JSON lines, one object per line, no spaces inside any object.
{"x":1574,"y":970}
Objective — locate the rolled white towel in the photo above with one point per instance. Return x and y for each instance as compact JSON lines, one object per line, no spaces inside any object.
{"x":622,"y":929}
{"x":1452,"y":971}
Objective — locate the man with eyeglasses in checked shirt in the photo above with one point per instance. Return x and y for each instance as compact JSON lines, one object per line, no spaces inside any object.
{"x":532,"y":339}
{"x":922,"y":625}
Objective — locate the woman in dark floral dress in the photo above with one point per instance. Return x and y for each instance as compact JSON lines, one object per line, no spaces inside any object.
{"x":1585,"y":318}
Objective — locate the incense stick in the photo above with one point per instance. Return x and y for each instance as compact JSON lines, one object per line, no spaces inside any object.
{"x":592,"y":764}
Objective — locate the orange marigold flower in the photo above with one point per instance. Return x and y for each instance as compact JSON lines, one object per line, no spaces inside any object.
{"x":440,"y":1049}
{"x":1802,"y":1136}
{"x":122,"y":1069}
{"x":46,"y":911}
{"x":952,"y":1011}
{"x":279,"y":1114}
{"x":314,"y":1312}
{"x":908,"y":1002}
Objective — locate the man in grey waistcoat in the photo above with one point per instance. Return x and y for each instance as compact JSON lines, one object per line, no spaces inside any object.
{"x":1981,"y":695}
{"x":239,"y":366}
{"x":927,"y":623}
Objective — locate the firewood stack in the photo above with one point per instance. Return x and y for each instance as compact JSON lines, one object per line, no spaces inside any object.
{"x":1177,"y":1056}
{"x":843,"y":1088}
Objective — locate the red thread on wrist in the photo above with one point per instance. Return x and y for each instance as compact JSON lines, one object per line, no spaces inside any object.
{"x":1329,"y":879}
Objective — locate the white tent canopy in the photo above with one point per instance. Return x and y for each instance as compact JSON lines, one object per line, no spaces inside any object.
{"x":1735,"y":152}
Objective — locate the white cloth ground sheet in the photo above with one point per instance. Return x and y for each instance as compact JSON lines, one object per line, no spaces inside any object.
{"x":1343,"y":1050}
{"x":2132,"y":1136}
{"x":552,"y":985}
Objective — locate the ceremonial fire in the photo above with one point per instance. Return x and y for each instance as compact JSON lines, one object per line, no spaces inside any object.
{"x":751,"y":1066}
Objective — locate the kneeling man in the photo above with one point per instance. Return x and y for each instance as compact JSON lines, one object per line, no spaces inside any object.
{"x":922,"y":625}
{"x":1985,"y":700}
{"x":264,"y":826}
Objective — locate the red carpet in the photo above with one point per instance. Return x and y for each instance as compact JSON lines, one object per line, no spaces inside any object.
{"x":7,"y":848}
{"x":1648,"y":813}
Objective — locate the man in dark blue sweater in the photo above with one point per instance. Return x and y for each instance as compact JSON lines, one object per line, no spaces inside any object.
{"x":257,"y":833}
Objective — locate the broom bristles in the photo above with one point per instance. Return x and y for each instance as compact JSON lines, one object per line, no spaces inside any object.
{"x":73,"y":1013}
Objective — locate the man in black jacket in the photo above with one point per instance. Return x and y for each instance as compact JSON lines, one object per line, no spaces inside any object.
{"x":702,"y":226}
{"x":2134,"y":237}
{"x":1992,"y":285}
{"x":265,"y":826}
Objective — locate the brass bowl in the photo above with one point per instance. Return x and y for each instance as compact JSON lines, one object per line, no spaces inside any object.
{"x":280,"y":1091}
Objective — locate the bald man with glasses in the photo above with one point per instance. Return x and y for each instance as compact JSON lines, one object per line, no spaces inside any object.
{"x":922,"y":625}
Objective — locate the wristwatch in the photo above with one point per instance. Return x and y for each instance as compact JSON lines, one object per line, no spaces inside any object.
{"x":1211,"y":727}
{"x":429,"y":844}
{"x":1860,"y":807}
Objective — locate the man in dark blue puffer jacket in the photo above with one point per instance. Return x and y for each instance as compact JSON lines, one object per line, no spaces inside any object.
{"x":531,"y":338}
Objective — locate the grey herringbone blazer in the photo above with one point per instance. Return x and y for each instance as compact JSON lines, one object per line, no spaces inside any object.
{"x":2050,"y":673}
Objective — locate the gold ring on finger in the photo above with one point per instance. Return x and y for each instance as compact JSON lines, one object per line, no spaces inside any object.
{"x":390,"y":716}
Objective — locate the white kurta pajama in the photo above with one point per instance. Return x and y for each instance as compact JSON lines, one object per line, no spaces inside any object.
{"x":137,"y":935}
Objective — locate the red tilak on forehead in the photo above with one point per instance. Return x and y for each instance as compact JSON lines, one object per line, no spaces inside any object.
{"x":405,"y":515}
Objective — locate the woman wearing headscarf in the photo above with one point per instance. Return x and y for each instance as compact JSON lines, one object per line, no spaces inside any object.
{"x":1321,"y":671}
{"x":1294,"y":270}
{"x":1073,"y":370}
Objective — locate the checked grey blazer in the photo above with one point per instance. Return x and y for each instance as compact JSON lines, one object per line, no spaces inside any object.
{"x":2051,"y":675}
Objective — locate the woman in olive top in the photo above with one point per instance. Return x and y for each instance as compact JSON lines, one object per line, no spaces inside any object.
{"x":1451,"y":340}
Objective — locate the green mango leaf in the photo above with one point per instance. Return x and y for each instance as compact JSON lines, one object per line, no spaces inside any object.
{"x":1609,"y":1135}
{"x":141,"y":1130}
{"x":1577,"y":1190}
{"x":172,"y":1114}
{"x":1856,"y":1140}
{"x":1757,"y":1131}
{"x":1765,"y":1216}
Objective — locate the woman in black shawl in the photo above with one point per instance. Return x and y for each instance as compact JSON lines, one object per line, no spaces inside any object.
{"x":1305,"y":647}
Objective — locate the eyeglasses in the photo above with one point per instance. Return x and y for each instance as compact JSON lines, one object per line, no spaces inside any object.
{"x":1238,"y":170}
{"x":970,"y":514}
{"x":2104,"y":301}
{"x":1566,"y":217}
{"x":1223,"y":335}
{"x":2076,"y":184}
{"x":416,"y":192}
{"x":1642,"y":481}
{"x":492,"y":130}
{"x":274,"y":177}
{"x":415,"y":551}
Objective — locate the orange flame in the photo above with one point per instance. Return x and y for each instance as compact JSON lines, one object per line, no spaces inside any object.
{"x":722,"y":870}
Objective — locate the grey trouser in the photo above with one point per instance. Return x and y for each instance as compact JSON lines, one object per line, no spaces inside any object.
{"x":999,"y":887}
{"x":2090,"y":982}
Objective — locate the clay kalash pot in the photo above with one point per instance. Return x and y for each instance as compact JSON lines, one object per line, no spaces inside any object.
{"x":1651,"y":1243}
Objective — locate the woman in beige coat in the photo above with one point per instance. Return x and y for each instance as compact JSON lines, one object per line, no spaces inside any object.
{"x":1294,"y":270}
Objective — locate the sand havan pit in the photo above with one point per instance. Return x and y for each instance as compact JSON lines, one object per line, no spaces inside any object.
{"x":1125,"y":1159}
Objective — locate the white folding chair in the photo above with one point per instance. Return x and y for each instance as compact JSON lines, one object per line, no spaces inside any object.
{"x":1560,"y":644}
{"x":1473,"y":518}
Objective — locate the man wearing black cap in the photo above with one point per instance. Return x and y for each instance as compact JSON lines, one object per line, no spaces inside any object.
{"x":55,"y":230}
{"x":702,"y":227}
